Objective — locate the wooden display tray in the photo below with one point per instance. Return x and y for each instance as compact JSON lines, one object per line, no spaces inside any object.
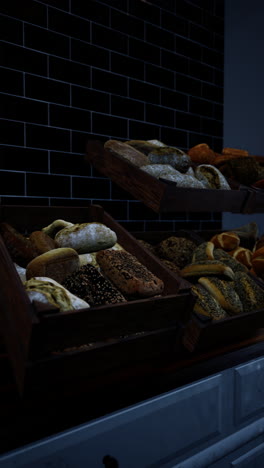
{"x":32,"y":332}
{"x":201,"y":332}
{"x":165,"y":197}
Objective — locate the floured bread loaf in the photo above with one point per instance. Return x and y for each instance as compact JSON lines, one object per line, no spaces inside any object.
{"x":48,"y":291}
{"x":52,"y":229}
{"x":55,"y":264}
{"x":170,"y":155}
{"x":89,"y":284}
{"x":126,"y":151}
{"x":183,"y":180}
{"x":158,"y":170}
{"x":86,"y":237}
{"x":211,"y":177}
{"x":142,"y":145}
{"x":128,"y":274}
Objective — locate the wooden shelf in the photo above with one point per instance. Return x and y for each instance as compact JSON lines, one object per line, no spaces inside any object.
{"x":166,"y":197}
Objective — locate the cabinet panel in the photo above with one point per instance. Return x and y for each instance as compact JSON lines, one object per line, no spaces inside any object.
{"x":249,"y":390}
{"x":148,"y":434}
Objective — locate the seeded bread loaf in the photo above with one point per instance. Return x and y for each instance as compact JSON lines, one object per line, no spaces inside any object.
{"x":55,"y":264}
{"x":179,"y":250}
{"x":89,"y":284}
{"x":128,"y":274}
{"x":224,"y":293}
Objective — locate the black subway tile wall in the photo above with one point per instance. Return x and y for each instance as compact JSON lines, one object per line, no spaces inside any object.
{"x":125,"y":69}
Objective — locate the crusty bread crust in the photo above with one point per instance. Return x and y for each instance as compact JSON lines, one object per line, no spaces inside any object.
{"x":128,"y":274}
{"x":55,"y":264}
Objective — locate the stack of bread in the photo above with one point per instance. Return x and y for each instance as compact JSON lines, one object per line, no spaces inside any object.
{"x":168,"y":163}
{"x":233,"y":163}
{"x":72,"y":266}
{"x":221,"y":271}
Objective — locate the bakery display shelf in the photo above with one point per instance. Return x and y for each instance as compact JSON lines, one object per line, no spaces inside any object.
{"x":32,"y":331}
{"x":166,"y":197}
{"x":201,"y":332}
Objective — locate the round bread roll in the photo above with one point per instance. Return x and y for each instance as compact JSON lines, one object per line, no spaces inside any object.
{"x":55,"y":264}
{"x":86,"y":237}
{"x":226,"y":240}
{"x":201,"y":154}
{"x":243,"y":256}
{"x":258,"y":261}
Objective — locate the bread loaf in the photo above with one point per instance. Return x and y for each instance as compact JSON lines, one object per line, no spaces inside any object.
{"x":224,"y":293}
{"x":48,"y":291}
{"x":21,"y":249}
{"x":226,"y":240}
{"x":86,"y":237}
{"x":89,"y":284}
{"x":250,"y":293}
{"x":52,"y":229}
{"x":211,"y":177}
{"x":207,"y":268}
{"x":235,"y":151}
{"x":206,"y":304}
{"x":258,"y":261}
{"x":225,"y":257}
{"x":55,"y":264}
{"x":42,"y":242}
{"x":172,"y":156}
{"x":179,"y":250}
{"x":201,"y":154}
{"x":243,"y":256}
{"x":204,"y":251}
{"x":128,"y":274}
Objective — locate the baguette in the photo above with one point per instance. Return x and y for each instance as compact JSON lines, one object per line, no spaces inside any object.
{"x":207,"y":268}
{"x":206,"y":304}
{"x":224,"y":293}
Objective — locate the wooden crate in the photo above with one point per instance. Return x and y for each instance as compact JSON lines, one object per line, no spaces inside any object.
{"x":161,"y":196}
{"x":202,"y":333}
{"x":30,"y":336}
